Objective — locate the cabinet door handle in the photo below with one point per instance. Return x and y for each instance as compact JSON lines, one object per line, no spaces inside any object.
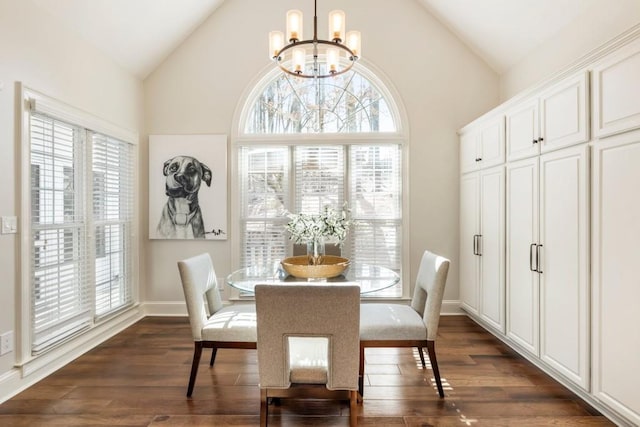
{"x":540,"y":139}
{"x":535,"y":141}
{"x":538,"y":258}
{"x":479,"y":245}
{"x":475,"y":244}
{"x":531,"y":267}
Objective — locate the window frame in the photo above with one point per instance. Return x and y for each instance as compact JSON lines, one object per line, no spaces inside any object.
{"x":30,"y":101}
{"x":401,"y":137}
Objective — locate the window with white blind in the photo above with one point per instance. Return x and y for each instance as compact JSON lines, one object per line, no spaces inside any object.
{"x":82,"y":214}
{"x":368,"y":177}
{"x":350,"y":160}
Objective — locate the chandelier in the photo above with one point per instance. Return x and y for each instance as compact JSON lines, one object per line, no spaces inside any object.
{"x":330,"y":57}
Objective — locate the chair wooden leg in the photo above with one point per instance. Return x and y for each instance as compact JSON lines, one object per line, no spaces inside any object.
{"x":197,"y":352}
{"x":424,"y":365}
{"x":264,"y":407}
{"x":361,"y":372}
{"x":213,"y":355}
{"x":431,"y":348}
{"x":353,"y":408}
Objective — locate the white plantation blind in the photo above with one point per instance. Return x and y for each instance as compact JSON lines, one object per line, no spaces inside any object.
{"x":368,"y":177}
{"x":264,"y":196}
{"x":82,"y":217}
{"x":61,"y":297}
{"x":320,"y":177}
{"x":113,"y":215}
{"x":375,"y":174}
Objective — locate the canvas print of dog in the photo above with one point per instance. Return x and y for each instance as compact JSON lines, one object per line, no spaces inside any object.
{"x":181,"y":215}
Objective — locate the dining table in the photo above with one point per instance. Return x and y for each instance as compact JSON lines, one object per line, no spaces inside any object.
{"x":370,"y":277}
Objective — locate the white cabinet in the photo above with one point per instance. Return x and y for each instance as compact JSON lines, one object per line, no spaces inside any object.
{"x":522,"y":130}
{"x":482,"y":245}
{"x":547,"y":259}
{"x":523,"y":288}
{"x":563,"y":263}
{"x":616,"y":90}
{"x":616,"y":274}
{"x":469,"y":232}
{"x":556,"y":118}
{"x":483,"y":147}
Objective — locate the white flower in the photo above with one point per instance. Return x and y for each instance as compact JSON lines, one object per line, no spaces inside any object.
{"x":330,"y":224}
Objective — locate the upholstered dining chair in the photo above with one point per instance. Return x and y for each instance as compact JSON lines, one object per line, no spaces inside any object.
{"x":397,"y":325}
{"x":308,"y":343}
{"x":212,"y":325}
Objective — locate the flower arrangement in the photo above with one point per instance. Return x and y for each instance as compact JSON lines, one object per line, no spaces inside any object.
{"x":330,"y":224}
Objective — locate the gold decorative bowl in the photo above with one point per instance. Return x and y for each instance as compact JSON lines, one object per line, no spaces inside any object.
{"x":298,"y":266}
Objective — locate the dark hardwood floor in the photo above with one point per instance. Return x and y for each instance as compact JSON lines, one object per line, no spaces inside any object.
{"x":139,"y":378}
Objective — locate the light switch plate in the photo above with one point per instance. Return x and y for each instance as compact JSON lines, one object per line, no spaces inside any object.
{"x":6,"y":343}
{"x":9,"y":224}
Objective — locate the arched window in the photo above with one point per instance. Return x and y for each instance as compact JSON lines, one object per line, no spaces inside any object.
{"x":308,"y":143}
{"x":347,"y":103}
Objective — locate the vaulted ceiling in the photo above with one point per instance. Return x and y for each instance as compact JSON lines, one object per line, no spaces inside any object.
{"x":140,"y":34}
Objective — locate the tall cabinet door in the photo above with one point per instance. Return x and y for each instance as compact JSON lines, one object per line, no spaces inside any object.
{"x":469,"y":232}
{"x":492,"y":192}
{"x":616,"y":278}
{"x":522,"y":238}
{"x":564,"y":262}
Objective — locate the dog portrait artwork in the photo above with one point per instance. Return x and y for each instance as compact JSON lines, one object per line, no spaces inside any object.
{"x":181,"y":215}
{"x":187,"y":187}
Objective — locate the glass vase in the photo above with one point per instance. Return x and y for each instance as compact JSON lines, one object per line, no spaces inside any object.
{"x":315,"y":251}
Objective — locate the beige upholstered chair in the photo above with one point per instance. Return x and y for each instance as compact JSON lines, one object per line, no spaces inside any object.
{"x":213,"y":326}
{"x":288,"y":316}
{"x":397,"y":325}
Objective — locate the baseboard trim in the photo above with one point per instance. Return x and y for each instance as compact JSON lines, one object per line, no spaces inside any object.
{"x":451,"y":308}
{"x":179,"y":308}
{"x":165,"y":308}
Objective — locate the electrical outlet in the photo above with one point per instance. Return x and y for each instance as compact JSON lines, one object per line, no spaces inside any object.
{"x":6,"y":343}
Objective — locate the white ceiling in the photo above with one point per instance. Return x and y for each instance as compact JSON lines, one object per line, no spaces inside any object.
{"x":502,"y":32}
{"x":137,"y":34}
{"x":140,"y":34}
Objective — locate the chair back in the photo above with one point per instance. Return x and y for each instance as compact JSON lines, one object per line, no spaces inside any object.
{"x":200,"y":288}
{"x":429,"y":290}
{"x":331,"y":311}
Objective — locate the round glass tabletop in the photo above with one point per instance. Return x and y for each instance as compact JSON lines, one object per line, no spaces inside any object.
{"x":371,"y":278}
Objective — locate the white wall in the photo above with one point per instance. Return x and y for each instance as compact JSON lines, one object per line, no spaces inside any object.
{"x":441,"y":84}
{"x":48,"y":58}
{"x":595,"y":26}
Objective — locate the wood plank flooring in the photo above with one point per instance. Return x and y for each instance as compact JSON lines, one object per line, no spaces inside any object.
{"x":139,"y":378}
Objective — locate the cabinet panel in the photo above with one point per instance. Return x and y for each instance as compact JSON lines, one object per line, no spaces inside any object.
{"x":522,"y":131}
{"x":468,"y":152}
{"x":491,"y":143}
{"x":469,"y":228}
{"x":563,"y":263}
{"x":492,"y":188}
{"x":616,"y":281}
{"x":564,"y":114}
{"x":522,"y":234}
{"x":616,"y":88}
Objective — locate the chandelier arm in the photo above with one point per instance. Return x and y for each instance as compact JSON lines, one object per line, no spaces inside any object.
{"x":352,"y":58}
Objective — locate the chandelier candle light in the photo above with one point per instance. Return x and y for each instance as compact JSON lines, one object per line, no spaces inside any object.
{"x":330,"y":57}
